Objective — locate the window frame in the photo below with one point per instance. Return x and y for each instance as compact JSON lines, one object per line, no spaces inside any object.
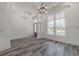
{"x":59,"y":18}
{"x":55,"y":25}
{"x":51,"y":19}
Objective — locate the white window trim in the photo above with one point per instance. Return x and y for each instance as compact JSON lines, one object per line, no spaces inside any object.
{"x":56,"y":26}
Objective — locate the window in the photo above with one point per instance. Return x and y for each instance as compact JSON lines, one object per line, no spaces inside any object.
{"x":51,"y":25}
{"x":60,"y":24}
{"x":57,"y":23}
{"x":35,"y":25}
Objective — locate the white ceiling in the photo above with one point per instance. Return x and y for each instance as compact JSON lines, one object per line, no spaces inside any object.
{"x":38,"y":4}
{"x":31,"y":7}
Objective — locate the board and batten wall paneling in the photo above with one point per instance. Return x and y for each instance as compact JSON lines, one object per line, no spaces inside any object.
{"x":12,"y":24}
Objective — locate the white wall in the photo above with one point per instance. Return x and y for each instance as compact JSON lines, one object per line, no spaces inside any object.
{"x":12,"y":24}
{"x":72,"y":26}
{"x":41,"y":31}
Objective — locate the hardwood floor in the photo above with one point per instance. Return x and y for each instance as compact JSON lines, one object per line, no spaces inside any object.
{"x":39,"y":47}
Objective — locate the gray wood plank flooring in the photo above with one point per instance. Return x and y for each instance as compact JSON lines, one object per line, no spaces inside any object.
{"x":41,"y":47}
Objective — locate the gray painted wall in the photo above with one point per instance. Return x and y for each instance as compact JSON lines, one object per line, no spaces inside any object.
{"x":12,"y":24}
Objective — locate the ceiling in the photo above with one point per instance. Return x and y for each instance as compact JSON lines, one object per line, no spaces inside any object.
{"x":31,"y":7}
{"x":35,"y":5}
